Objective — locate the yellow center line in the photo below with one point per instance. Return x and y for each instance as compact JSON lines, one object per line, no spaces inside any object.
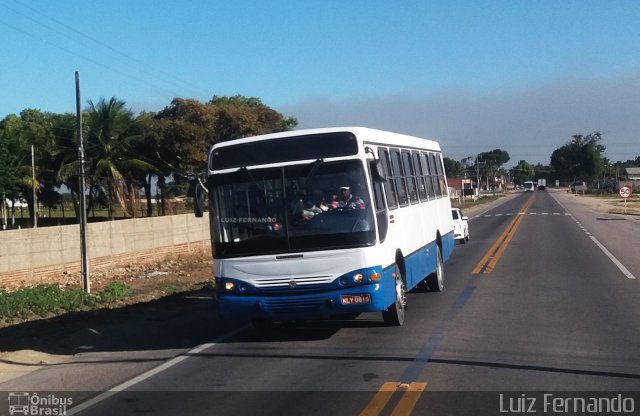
{"x":406,"y":403}
{"x":380,"y":400}
{"x":409,"y":399}
{"x":490,"y":259}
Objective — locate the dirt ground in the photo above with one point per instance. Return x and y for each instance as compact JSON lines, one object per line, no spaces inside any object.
{"x":22,"y":341}
{"x":148,"y":281}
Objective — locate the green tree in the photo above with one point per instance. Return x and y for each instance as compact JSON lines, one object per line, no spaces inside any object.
{"x":523,"y":172}
{"x":453,"y":168}
{"x":112,"y":132}
{"x":31,"y":129}
{"x":496,"y":157}
{"x":491,"y":162}
{"x":580,"y":159}
{"x":62,"y":157}
{"x":240,"y":116}
{"x":183,"y":132}
{"x":182,"y":135}
{"x":9,"y":164}
{"x":543,"y":172}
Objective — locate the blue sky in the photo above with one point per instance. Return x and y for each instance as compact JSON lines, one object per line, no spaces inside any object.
{"x":523,"y":76}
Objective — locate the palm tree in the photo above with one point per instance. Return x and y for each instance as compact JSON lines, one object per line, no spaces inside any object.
{"x":19,"y":134}
{"x":111,"y":132}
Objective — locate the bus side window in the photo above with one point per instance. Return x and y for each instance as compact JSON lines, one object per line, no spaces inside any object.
{"x":409,"y":173}
{"x":441,"y":177}
{"x":378,"y":195}
{"x":422,"y":190}
{"x":389,"y":184}
{"x":424,"y":162}
{"x":398,"y":177}
{"x":380,"y":207}
{"x":434,"y":174}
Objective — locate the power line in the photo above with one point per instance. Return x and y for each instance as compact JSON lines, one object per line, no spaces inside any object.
{"x":143,"y":65}
{"x":82,"y":56}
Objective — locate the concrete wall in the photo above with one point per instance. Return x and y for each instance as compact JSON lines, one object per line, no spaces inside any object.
{"x":28,"y":254}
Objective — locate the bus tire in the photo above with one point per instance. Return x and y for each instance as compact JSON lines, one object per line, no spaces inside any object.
{"x":394,"y":314}
{"x":435,"y":281}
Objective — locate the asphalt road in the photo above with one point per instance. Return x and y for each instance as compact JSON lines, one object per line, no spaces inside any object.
{"x":532,"y":304}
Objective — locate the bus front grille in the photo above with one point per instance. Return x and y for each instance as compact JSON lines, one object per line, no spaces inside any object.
{"x":291,"y":282}
{"x":287,"y":306}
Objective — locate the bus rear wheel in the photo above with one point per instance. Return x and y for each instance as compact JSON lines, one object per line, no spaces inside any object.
{"x":435,"y":281}
{"x":394,"y":314}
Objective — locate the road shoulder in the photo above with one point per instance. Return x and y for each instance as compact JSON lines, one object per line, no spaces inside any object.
{"x":619,"y":234}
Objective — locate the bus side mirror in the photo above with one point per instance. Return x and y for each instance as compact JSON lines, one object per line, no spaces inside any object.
{"x":198,"y":200}
{"x":377,"y":170}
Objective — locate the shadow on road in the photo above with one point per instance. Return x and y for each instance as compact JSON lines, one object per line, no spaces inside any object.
{"x":179,"y":321}
{"x":176,"y":321}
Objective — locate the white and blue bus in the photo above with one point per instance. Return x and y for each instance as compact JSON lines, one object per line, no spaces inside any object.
{"x":324,"y":222}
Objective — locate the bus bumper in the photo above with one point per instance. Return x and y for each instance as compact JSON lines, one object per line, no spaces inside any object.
{"x":365,"y":298}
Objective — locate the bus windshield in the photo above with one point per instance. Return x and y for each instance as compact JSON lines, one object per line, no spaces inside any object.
{"x":291,"y":209}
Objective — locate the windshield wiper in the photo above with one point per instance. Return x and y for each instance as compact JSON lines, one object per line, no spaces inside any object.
{"x":314,"y":166}
{"x":247,"y":174}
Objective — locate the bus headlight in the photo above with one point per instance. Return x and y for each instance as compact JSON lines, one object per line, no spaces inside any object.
{"x":374,"y":277}
{"x":358,"y":277}
{"x":229,"y":286}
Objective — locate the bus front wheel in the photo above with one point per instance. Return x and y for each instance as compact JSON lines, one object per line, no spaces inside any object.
{"x":394,"y":314}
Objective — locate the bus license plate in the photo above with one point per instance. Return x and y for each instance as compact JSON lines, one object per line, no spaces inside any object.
{"x":356,"y":299}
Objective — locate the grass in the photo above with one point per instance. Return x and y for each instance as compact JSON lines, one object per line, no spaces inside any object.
{"x":173,"y":287}
{"x":45,"y":301}
{"x":479,"y":201}
{"x":631,"y":208}
{"x":616,"y":203}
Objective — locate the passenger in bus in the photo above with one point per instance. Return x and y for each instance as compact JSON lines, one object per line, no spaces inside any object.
{"x":275,"y":225}
{"x":347,"y":200}
{"x":315,"y":205}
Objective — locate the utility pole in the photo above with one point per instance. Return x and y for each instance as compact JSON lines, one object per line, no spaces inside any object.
{"x":4,"y":210}
{"x":33,"y":187}
{"x":84,"y":259}
{"x":478,"y":174}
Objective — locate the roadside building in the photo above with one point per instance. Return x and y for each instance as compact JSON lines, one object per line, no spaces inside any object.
{"x":633,"y":174}
{"x":633,"y":179}
{"x":463,"y":187}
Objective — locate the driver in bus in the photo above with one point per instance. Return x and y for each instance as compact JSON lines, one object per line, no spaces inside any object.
{"x":315,"y":205}
{"x":347,"y":200}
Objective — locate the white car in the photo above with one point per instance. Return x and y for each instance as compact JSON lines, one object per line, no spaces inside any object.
{"x":460,"y":225}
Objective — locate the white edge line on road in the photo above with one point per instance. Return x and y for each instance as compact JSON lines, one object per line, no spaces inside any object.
{"x":144,"y":376}
{"x":615,"y":261}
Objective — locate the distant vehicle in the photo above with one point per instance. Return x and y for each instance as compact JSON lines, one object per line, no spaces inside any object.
{"x":578,"y":187}
{"x":460,"y":226}
{"x":542,"y":184}
{"x":529,"y":186}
